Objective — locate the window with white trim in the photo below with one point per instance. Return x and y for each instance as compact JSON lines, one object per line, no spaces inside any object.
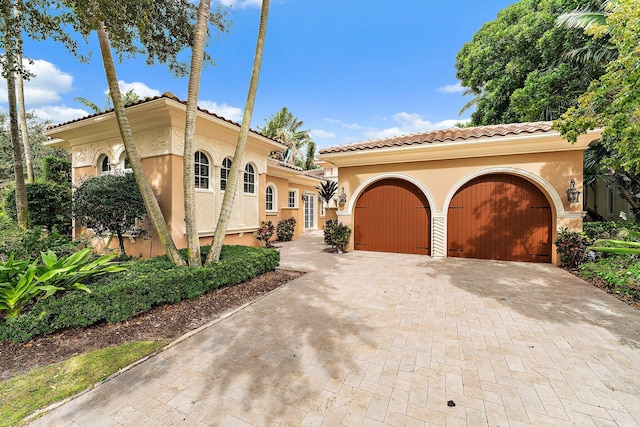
{"x":249,"y":179}
{"x":322,"y":208}
{"x":293,"y":198}
{"x":224,"y":173}
{"x":104,"y":164}
{"x":201,"y":170}
{"x":269,"y":198}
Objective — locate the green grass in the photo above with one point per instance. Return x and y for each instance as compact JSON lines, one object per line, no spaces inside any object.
{"x":22,"y":395}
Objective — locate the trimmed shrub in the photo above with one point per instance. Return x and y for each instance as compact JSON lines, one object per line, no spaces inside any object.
{"x":286,"y":228}
{"x":336,"y":234}
{"x":329,"y":228}
{"x":571,"y":247}
{"x":29,"y":244}
{"x":49,"y":206}
{"x":57,"y":169}
{"x":109,"y":204}
{"x":144,"y":285}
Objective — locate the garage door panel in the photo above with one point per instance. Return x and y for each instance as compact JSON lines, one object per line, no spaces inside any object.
{"x":501,"y":217}
{"x":392,"y":215}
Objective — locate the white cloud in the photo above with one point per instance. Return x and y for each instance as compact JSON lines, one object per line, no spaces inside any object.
{"x":410,"y":123}
{"x":224,"y":110}
{"x":59,"y":113}
{"x":139,"y":88}
{"x":350,"y":126}
{"x":47,"y":85}
{"x":456,"y":88}
{"x":241,"y":3}
{"x":322,"y":134}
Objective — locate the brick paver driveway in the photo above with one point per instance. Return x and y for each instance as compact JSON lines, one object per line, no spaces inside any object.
{"x":383,"y":339}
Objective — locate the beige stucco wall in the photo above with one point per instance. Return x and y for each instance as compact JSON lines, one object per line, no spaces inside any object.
{"x":439,"y":175}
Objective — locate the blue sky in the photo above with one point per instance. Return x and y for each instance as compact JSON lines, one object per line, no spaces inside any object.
{"x":352,"y":70}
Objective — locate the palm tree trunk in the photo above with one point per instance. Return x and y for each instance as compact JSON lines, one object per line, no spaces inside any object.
{"x":232,"y":181}
{"x":11,"y":32}
{"x":21,"y":106}
{"x":188,"y":182}
{"x":21,"y":189}
{"x":151,"y":203}
{"x":28,"y":157}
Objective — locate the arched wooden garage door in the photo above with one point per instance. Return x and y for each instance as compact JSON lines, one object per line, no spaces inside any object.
{"x":392,"y":215}
{"x":502,"y":217}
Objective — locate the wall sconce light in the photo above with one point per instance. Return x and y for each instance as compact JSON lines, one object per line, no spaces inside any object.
{"x":573,"y":195}
{"x":342,"y":198}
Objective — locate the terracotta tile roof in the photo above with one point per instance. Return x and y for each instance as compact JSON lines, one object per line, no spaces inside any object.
{"x":285,"y":164}
{"x":444,"y":135}
{"x":309,"y":173}
{"x":167,"y":95}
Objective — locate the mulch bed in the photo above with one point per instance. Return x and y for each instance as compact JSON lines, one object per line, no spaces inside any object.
{"x":163,"y":323}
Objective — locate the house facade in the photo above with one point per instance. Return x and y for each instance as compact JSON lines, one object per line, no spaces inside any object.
{"x":267,"y":189}
{"x":492,"y":192}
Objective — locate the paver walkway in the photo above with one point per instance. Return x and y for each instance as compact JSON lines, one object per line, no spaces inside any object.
{"x":373,"y":339}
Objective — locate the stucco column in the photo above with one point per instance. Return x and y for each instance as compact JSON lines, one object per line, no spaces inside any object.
{"x":347,"y":219}
{"x":439,"y":235}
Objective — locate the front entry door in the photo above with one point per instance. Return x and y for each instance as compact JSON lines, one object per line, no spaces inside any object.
{"x":309,"y":211}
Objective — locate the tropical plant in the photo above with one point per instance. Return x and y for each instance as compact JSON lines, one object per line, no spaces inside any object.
{"x":286,"y":228}
{"x":232,"y":179}
{"x":22,"y":281}
{"x":49,"y":204}
{"x":265,"y":233}
{"x":626,"y":243}
{"x":327,"y":190}
{"x":590,"y":19}
{"x":109,"y":204}
{"x":286,"y":127}
{"x":571,"y":247}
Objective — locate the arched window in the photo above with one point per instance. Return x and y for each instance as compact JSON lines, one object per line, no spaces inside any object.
{"x":269,"y":198}
{"x":249,"y":179}
{"x":224,"y":173}
{"x":201,"y":169}
{"x":105,"y":165}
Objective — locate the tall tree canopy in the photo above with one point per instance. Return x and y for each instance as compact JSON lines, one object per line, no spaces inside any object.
{"x":517,"y":68}
{"x":613,"y":100}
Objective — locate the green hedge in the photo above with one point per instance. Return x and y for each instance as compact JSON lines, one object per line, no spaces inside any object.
{"x":145,"y":284}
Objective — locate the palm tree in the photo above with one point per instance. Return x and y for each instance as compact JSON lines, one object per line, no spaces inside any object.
{"x":128,"y":97}
{"x":232,"y":181}
{"x":599,"y":50}
{"x":284,"y":126}
{"x":153,"y":207}
{"x":197,"y":57}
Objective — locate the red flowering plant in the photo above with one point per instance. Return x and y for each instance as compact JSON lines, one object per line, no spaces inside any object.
{"x":571,"y":247}
{"x":265,"y":232}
